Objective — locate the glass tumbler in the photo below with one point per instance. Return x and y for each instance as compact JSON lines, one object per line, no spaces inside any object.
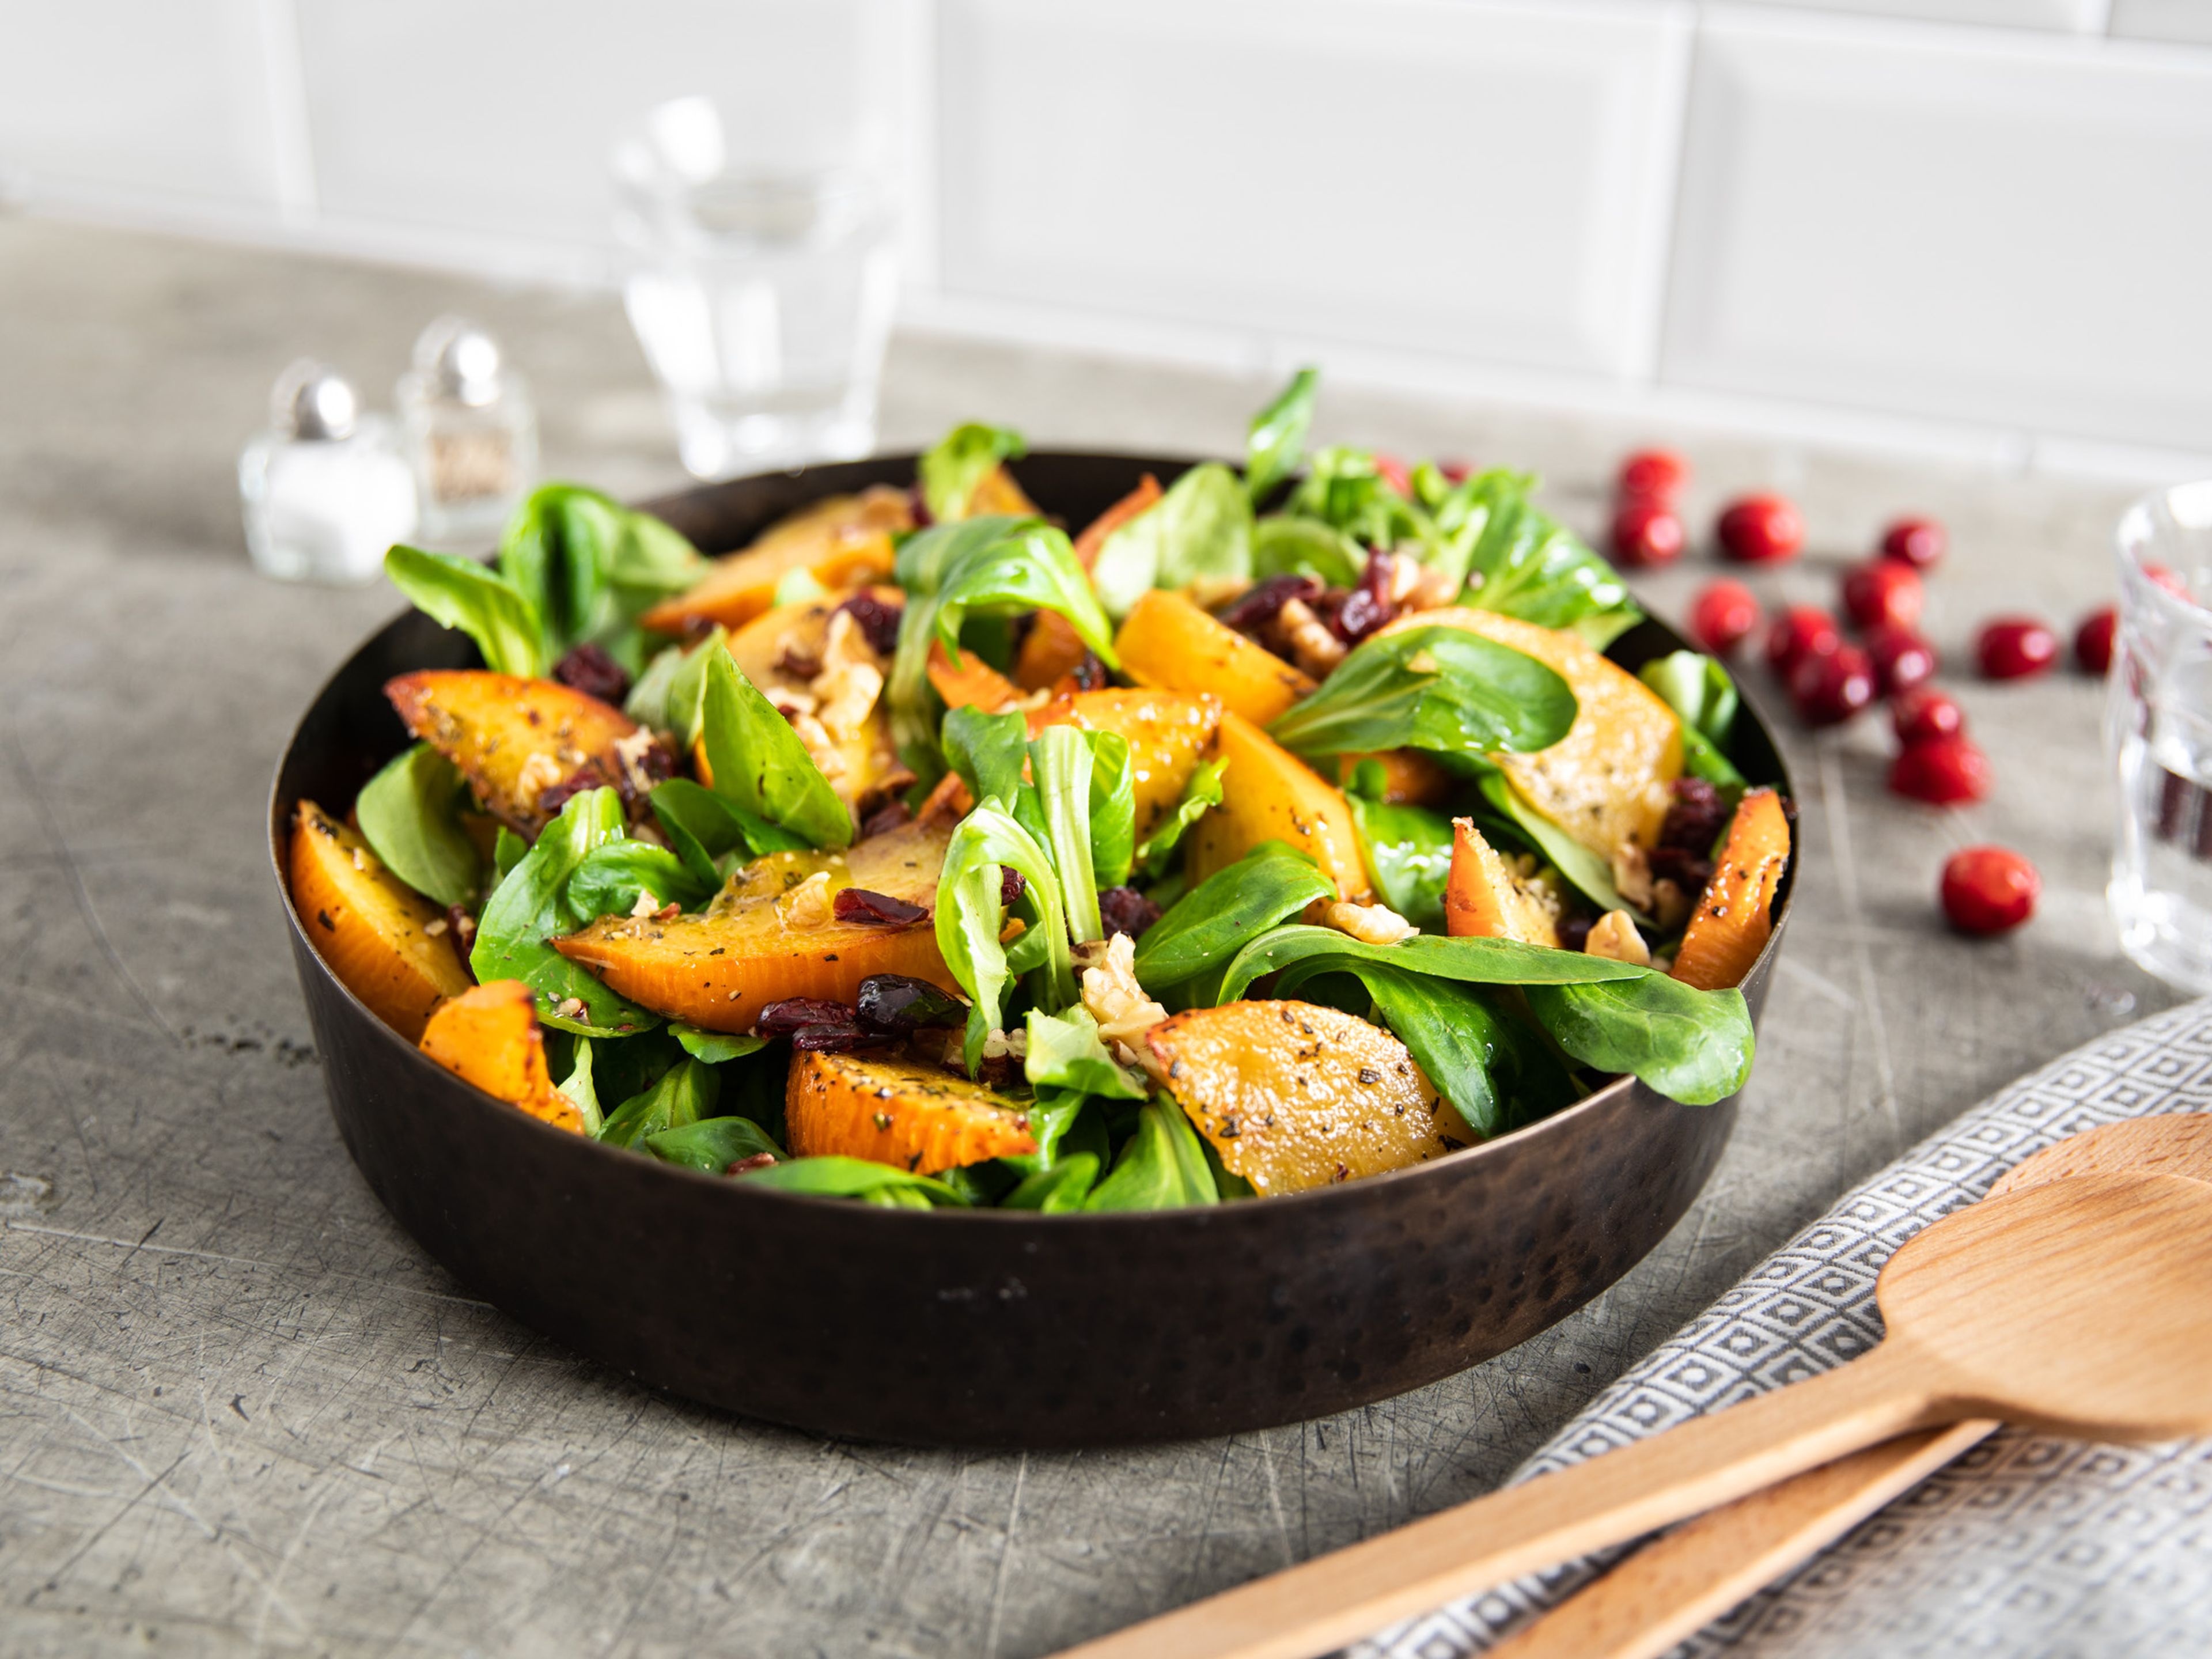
{"x":761,"y":292}
{"x":2158,"y":728}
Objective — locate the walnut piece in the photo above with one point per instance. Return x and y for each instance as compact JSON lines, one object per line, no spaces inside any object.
{"x":1614,"y":936}
{"x":1370,"y":924}
{"x":1312,"y":646}
{"x":1113,"y":998}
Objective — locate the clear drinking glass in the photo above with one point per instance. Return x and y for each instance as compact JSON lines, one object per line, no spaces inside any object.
{"x":2157,"y":727}
{"x":762,"y":289}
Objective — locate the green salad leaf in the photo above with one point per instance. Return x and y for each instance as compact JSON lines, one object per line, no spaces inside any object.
{"x":670,"y":695}
{"x":1525,"y":563}
{"x":854,"y":1177}
{"x":1113,"y":808}
{"x":970,"y":914}
{"x":1059,"y":1188}
{"x":1276,"y":442}
{"x":705,"y":830}
{"x":1588,"y":873}
{"x":1434,"y":688}
{"x":410,"y":817}
{"x":582,"y":1091}
{"x":685,"y":1094}
{"x":529,"y":906}
{"x":1163,"y":1165}
{"x":1409,"y":852}
{"x":1703,"y":698}
{"x":1207,"y":925}
{"x":759,"y":765}
{"x":1066,"y":1052}
{"x":461,"y":594}
{"x":1496,"y":1073}
{"x":612,"y":877}
{"x":1200,"y":795}
{"x":952,"y":467}
{"x":1201,"y":527}
{"x":1470,"y":961}
{"x":1346,"y":490}
{"x":1283,"y":546}
{"x":1059,"y":760}
{"x":712,"y":1145}
{"x":589,"y":566}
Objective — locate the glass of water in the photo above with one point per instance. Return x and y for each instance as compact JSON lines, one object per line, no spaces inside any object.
{"x":2158,"y":727}
{"x":761,"y":288}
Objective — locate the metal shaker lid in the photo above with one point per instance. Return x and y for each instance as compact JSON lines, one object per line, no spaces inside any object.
{"x":458,"y":360}
{"x":313,"y":401}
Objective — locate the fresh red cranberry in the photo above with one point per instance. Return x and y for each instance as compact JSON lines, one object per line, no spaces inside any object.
{"x":1760,"y":530}
{"x":1646,"y":532}
{"x":2093,"y":641}
{"x":1989,"y":890}
{"x":1902,"y":660}
{"x":1830,"y":687}
{"x":2013,"y":647}
{"x":1723,"y":616}
{"x":1923,"y":713}
{"x":1394,"y":474}
{"x":1919,"y":542}
{"x":1801,"y":631}
{"x":1941,"y":771}
{"x":1654,"y":474}
{"x":1883,"y":593}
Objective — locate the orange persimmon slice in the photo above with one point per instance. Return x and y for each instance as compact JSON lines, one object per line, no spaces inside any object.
{"x":489,"y":1036}
{"x":1486,"y":897}
{"x":1734,"y":916}
{"x":917,"y":1116}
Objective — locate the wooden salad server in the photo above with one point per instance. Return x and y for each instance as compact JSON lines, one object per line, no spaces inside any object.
{"x":1676,"y":1585}
{"x":2076,"y":1307}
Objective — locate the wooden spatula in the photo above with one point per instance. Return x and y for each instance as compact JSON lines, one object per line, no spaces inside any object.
{"x":1678,"y":1584}
{"x":2077,"y":1307}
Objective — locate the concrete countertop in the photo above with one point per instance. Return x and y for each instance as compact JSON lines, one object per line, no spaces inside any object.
{"x":239,"y":1409}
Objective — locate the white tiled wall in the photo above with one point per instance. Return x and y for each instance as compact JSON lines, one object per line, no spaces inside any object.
{"x":1986,"y":221}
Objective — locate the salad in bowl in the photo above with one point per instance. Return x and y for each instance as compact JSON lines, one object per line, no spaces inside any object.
{"x":1285,"y":825}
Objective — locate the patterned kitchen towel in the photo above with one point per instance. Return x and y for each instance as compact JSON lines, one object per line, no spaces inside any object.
{"x":2027,"y":1546}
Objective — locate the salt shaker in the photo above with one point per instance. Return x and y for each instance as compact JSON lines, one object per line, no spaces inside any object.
{"x":324,"y":490}
{"x":471,"y":433}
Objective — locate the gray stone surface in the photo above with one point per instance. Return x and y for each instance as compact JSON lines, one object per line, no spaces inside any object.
{"x":238,"y":1409}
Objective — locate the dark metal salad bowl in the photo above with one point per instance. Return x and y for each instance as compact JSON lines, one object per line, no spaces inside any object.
{"x":981,"y":1328}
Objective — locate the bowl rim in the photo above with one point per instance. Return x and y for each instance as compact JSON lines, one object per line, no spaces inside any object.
{"x":1317,"y":1198}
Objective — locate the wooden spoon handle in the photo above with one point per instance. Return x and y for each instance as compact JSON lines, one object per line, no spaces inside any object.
{"x":1321,"y":1605}
{"x":1676,"y":1585}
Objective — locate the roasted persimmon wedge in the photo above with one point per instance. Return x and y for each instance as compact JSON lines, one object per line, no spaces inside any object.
{"x":1169,"y":733}
{"x":996,"y":492}
{"x":515,"y":739}
{"x":489,"y":1036}
{"x":970,"y":684}
{"x":1294,"y":1095}
{"x":782,"y":651}
{"x":1487,"y":896}
{"x":1051,"y":651}
{"x":1734,"y":916}
{"x":1270,"y":794}
{"x":770,"y":933}
{"x":1167,"y":641}
{"x":387,"y":943}
{"x":909,"y":1113}
{"x":841,"y":541}
{"x":1605,"y":782}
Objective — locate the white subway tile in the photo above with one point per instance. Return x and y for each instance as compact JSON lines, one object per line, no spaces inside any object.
{"x":1473,"y":178}
{"x":2186,"y":20}
{"x":1945,"y":226}
{"x":496,"y":118}
{"x":2070,"y":15}
{"x":166,"y":98}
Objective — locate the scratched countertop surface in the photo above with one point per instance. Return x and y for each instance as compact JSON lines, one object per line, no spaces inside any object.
{"x":240,"y":1410}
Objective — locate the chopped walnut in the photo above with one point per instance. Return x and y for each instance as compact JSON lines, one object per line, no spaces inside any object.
{"x":1406,"y":573}
{"x":539,"y":773}
{"x":1006,"y":1045}
{"x":648,"y":902}
{"x":1312,"y":646}
{"x":1116,"y":1000}
{"x":1370,"y":924}
{"x":629,"y":754}
{"x":1632,"y":876}
{"x":790,"y":702}
{"x":819,"y":745}
{"x":1431,"y":587}
{"x":808,"y":905}
{"x":1670,"y":903}
{"x":1614,"y":936}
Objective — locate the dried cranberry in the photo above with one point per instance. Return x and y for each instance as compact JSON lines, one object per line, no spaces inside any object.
{"x":1089,"y":674}
{"x":2014,"y":648}
{"x":1923,"y":713}
{"x":1941,"y":771}
{"x":747,"y":1165}
{"x":832,"y":1039}
{"x":1802,"y":630}
{"x":918,"y":505}
{"x":781,"y":1018}
{"x":1830,"y":688}
{"x":1916,"y":542}
{"x":1723,"y":616}
{"x":1902,"y":660}
{"x":1883,"y":593}
{"x":1011,"y":885}
{"x":1368,"y":606}
{"x":1646,"y":532}
{"x":886,"y":818}
{"x":1989,"y":890}
{"x":1126,"y":910}
{"x":1658,"y":474}
{"x":895,"y":1004}
{"x":876,"y":909}
{"x":1760,"y":530}
{"x":2093,"y":641}
{"x":877,"y":619}
{"x":591,"y":672}
{"x":1575,"y":931}
{"x":1260,"y":603}
{"x":585,"y":779}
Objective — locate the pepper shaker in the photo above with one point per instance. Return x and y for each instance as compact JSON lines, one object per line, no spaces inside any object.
{"x":324,"y":490}
{"x":471,"y":432}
